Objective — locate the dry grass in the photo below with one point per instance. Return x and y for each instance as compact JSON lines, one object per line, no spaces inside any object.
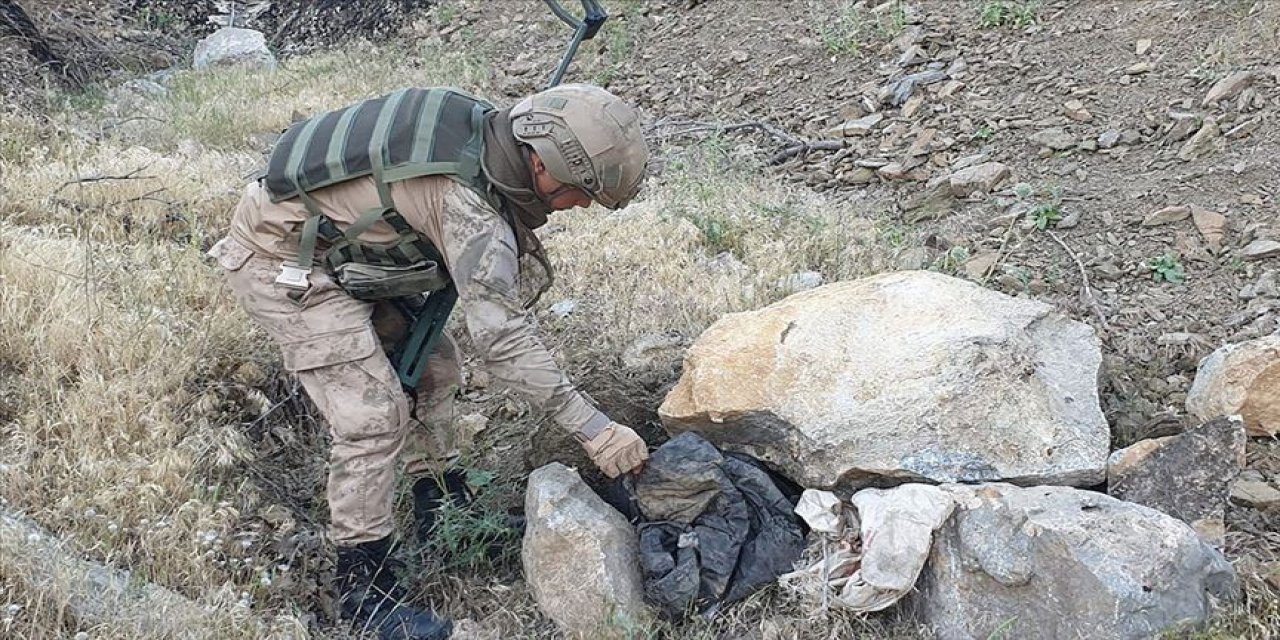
{"x":129,"y":379}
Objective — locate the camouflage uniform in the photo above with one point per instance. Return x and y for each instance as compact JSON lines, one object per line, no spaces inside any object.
{"x":337,"y":345}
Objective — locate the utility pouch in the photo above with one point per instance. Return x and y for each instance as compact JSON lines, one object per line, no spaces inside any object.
{"x":371,"y":282}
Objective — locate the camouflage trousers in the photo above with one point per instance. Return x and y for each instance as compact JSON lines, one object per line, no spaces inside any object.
{"x":337,"y":346}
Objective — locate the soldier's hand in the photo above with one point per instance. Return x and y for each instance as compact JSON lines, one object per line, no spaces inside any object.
{"x":617,"y":450}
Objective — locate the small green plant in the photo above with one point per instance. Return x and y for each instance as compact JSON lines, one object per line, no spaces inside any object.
{"x":984,"y":133}
{"x":1046,"y":215}
{"x":472,"y":535}
{"x":952,"y":260}
{"x":1167,"y":268}
{"x":845,"y":32}
{"x":1017,"y":13}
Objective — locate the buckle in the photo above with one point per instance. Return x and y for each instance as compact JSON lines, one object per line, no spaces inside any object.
{"x":294,"y":277}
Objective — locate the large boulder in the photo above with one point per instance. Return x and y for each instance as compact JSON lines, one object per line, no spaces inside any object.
{"x":581,"y":558}
{"x":1059,"y":562}
{"x":1240,"y":379}
{"x":1187,"y":476}
{"x":909,"y":376}
{"x":231,"y":46}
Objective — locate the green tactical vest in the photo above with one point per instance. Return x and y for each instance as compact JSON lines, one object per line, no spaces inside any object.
{"x":407,"y":134}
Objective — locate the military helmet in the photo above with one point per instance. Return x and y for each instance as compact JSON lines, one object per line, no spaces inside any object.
{"x":588,"y":138}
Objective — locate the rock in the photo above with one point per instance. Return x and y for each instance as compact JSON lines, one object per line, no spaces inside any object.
{"x":983,"y":178}
{"x":799,"y":281}
{"x":1056,"y":139}
{"x":900,"y":91}
{"x":1242,"y":379}
{"x":1062,"y":563}
{"x":951,"y":88}
{"x":230,"y":46}
{"x":564,"y":308}
{"x":1255,"y":493}
{"x":1202,"y":463}
{"x":978,"y":266}
{"x":860,"y":127}
{"x":1139,"y":68}
{"x":581,"y":558}
{"x":893,"y":171}
{"x":1184,"y":125}
{"x":1142,"y":46}
{"x":1109,"y":139}
{"x":969,"y":161}
{"x":858,"y":175}
{"x":1261,"y":249}
{"x":1076,"y":110}
{"x":906,"y":376}
{"x":1166,"y":216}
{"x":521,"y":68}
{"x":1212,"y":226}
{"x":1201,"y":142}
{"x":912,"y":107}
{"x":1227,"y":88}
{"x":654,"y":349}
{"x":913,"y":56}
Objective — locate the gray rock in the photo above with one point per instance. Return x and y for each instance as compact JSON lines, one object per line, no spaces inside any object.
{"x":982,"y":178}
{"x":1060,"y":563}
{"x":902,"y":376}
{"x":564,"y":308}
{"x":1109,"y":139}
{"x":1187,"y":476}
{"x":230,"y":46}
{"x":934,"y":202}
{"x":1255,"y":493}
{"x":902,"y":90}
{"x":1261,"y":249}
{"x":860,"y":127}
{"x":581,"y":558}
{"x":1166,"y":215}
{"x":1227,"y":88}
{"x":801,"y":281}
{"x":1201,"y":142}
{"x":1056,"y":139}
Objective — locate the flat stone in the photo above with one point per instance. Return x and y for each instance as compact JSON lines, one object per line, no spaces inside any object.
{"x":1166,"y":216}
{"x":1056,"y":562}
{"x":978,"y":266}
{"x":1256,"y":493}
{"x":1227,"y":88}
{"x":1202,"y":463}
{"x":1109,"y":139}
{"x":1140,"y":68}
{"x":859,"y":127}
{"x":1142,"y":46}
{"x":1056,"y":139}
{"x":231,"y":46}
{"x":934,"y":202}
{"x":982,"y":178}
{"x":1211,"y":225}
{"x":1261,"y":249}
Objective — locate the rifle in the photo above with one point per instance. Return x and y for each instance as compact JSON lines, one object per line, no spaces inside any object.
{"x":427,"y":316}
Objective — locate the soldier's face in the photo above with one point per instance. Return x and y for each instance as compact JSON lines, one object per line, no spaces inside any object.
{"x":558,"y":195}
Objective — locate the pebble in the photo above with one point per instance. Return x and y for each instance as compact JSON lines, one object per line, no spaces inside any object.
{"x":1142,"y":46}
{"x":1056,"y":139}
{"x":1227,"y":88}
{"x":1255,"y":493}
{"x":1109,"y":139}
{"x":1140,"y":68}
{"x":1167,"y":215}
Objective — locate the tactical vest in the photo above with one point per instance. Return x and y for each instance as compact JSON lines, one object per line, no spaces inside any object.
{"x":407,"y":134}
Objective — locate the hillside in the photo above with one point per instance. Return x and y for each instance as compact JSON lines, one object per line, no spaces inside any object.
{"x":147,"y":422}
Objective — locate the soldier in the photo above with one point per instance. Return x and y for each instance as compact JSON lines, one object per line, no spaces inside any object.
{"x":366,"y":208}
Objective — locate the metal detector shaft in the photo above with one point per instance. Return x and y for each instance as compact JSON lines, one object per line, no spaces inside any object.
{"x":584,"y":29}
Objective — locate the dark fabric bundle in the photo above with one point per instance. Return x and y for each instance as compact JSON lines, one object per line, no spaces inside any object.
{"x":713,"y":527}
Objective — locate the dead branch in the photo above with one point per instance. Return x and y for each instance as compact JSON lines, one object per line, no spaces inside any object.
{"x":1084,"y":278}
{"x":804,"y":148}
{"x":14,"y":20}
{"x":132,"y":175}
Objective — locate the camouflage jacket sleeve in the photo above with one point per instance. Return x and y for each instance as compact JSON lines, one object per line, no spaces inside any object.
{"x":480,"y":249}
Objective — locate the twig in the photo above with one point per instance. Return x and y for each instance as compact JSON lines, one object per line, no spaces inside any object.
{"x":293,"y":395}
{"x":1001,"y":254}
{"x":132,"y":175}
{"x":1084,"y":278}
{"x":804,"y":148}
{"x":694,"y":126}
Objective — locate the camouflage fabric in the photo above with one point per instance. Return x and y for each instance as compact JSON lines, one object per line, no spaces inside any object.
{"x":336,"y":344}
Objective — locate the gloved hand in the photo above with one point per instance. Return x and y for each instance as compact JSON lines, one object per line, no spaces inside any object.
{"x":617,"y":449}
